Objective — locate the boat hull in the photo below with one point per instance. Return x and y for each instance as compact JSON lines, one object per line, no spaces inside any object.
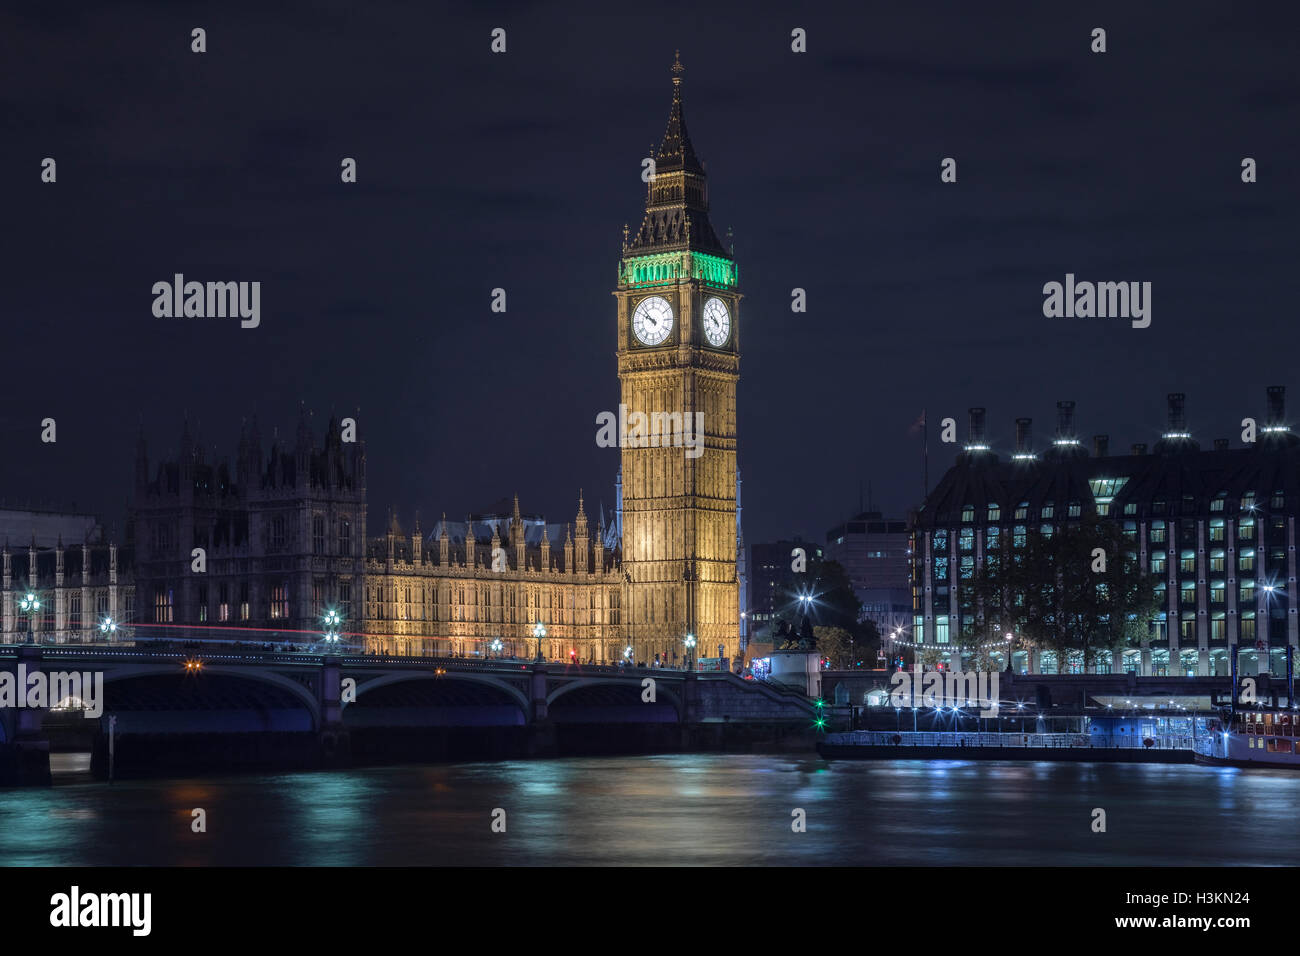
{"x":1234,"y":762}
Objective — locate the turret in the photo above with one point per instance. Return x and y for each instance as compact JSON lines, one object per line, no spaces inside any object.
{"x":582,"y":540}
{"x":517,"y":538}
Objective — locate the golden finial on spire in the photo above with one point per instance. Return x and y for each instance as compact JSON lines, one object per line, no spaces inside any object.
{"x":678,"y":69}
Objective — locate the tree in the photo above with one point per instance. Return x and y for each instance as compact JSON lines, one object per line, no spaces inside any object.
{"x":1077,"y":591}
{"x":836,"y":645}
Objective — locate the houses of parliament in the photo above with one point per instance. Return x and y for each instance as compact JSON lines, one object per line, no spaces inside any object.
{"x":285,"y":536}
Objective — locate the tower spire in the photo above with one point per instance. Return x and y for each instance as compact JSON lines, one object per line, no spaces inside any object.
{"x":677,"y":198}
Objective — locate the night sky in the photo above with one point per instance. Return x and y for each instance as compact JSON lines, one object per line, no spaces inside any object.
{"x":519,"y":170}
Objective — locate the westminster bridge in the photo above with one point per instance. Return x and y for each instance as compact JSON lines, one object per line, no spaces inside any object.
{"x":172,"y":708}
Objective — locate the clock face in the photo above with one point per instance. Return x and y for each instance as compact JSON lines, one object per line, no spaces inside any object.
{"x":717,"y":321}
{"x":652,"y":320}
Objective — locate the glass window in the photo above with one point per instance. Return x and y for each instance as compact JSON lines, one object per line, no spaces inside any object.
{"x":995,"y":512}
{"x":1216,"y":591}
{"x":1022,"y":511}
{"x":1074,"y":509}
{"x":1216,"y":529}
{"x":1158,"y":506}
{"x":1158,"y":562}
{"x":1018,"y":536}
{"x":941,"y":629}
{"x":968,"y":513}
{"x":1157,"y":532}
{"x":1130,"y":508}
{"x":1217,"y":560}
{"x":1246,"y":529}
{"x":1049,"y":511}
{"x":1187,"y":561}
{"x":1045,"y":530}
{"x":1246,"y":559}
{"x":1216,"y":504}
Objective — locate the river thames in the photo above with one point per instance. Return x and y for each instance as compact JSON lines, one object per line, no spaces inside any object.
{"x":685,"y":809}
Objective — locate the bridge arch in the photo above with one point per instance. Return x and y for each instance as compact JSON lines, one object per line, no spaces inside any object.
{"x":398,"y":677}
{"x":662,"y":692}
{"x":254,"y":675}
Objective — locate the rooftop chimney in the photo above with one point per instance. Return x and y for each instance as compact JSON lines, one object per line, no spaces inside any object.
{"x":1023,"y":441}
{"x":1220,"y":444}
{"x":1177,"y":416}
{"x":1276,"y":405}
{"x":975,"y":436}
{"x":1100,"y":446}
{"x":1275,"y":425}
{"x":1065,"y":419}
{"x":1139,"y":448}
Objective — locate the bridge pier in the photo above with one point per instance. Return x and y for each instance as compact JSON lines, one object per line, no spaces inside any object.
{"x":541,"y":731}
{"x":335,"y":742}
{"x":25,"y":756}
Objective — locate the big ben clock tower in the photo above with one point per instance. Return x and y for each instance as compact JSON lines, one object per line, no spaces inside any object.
{"x":678,"y":362}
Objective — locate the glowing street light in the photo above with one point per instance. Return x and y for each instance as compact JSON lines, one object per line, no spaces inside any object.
{"x":108,"y":627}
{"x":332,"y":622}
{"x":30,"y":604}
{"x":539,"y":632}
{"x":690,"y":647}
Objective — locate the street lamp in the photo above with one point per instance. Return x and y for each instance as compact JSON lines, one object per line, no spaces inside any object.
{"x":108,"y":627}
{"x":332,"y":622}
{"x":690,"y":647}
{"x":30,"y":604}
{"x":539,"y":632}
{"x":496,"y":646}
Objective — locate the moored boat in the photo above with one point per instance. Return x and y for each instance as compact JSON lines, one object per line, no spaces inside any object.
{"x":1254,"y":737}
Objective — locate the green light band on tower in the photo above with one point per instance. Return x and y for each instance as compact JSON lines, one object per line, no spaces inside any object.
{"x":669,"y":267}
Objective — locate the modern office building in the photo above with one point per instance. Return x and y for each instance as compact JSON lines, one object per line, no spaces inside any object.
{"x":875,"y":552}
{"x":1218,"y":525}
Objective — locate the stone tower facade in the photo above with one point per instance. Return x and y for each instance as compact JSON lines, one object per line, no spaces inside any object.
{"x":678,"y":364}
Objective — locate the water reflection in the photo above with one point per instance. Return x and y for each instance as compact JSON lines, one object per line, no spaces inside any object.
{"x":678,"y":809}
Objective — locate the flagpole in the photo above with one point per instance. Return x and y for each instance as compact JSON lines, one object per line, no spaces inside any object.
{"x":925,"y":456}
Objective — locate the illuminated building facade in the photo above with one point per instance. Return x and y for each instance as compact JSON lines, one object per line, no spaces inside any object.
{"x":78,"y":585}
{"x":678,"y":315}
{"x":1218,"y":525}
{"x":493,"y":578}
